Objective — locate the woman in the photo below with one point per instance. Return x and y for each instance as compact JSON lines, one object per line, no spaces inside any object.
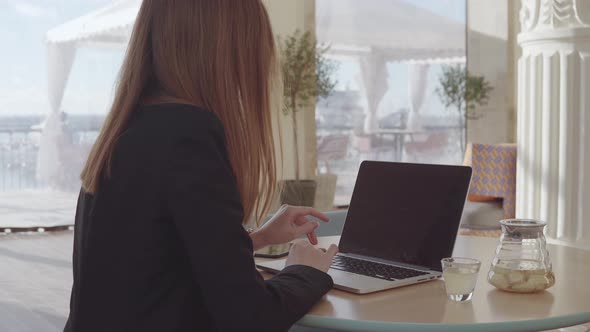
{"x":186,"y":156}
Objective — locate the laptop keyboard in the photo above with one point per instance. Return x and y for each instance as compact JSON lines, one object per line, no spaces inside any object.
{"x":372,"y":269}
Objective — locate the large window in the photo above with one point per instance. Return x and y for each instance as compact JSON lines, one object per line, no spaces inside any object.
{"x":56,"y":87}
{"x":390,"y":55}
{"x":59,"y":70}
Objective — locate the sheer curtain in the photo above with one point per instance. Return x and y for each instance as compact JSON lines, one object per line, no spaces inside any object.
{"x":417,"y":85}
{"x":60,"y":58}
{"x":374,"y":74}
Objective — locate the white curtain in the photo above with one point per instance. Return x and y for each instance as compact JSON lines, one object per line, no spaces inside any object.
{"x":374,"y":74}
{"x":60,"y":58}
{"x":417,"y":86}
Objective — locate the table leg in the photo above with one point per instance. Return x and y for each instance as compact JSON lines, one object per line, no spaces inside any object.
{"x":399,"y":142}
{"x":379,"y":145}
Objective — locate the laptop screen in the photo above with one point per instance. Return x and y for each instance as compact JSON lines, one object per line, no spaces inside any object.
{"x":407,"y":213}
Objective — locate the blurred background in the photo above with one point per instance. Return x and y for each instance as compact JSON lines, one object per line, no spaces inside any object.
{"x":391,"y":60}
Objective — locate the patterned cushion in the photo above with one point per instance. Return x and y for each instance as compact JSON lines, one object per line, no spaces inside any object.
{"x":494,"y":174}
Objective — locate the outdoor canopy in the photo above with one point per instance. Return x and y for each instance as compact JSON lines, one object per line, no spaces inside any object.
{"x":373,"y":31}
{"x":107,"y":27}
{"x":382,"y":31}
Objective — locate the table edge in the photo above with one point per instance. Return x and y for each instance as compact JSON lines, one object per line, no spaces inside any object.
{"x":508,"y":326}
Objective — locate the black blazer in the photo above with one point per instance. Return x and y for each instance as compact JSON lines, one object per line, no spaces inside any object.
{"x":160,"y":246}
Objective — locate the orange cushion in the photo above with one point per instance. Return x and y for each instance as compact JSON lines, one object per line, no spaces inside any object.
{"x":467,"y":162}
{"x":480,"y":198}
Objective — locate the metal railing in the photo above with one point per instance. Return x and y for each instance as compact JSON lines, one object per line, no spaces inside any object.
{"x":20,"y":142}
{"x":18,"y":159}
{"x":19,"y":152}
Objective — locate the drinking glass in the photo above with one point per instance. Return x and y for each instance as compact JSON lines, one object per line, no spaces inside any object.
{"x":460,"y":275}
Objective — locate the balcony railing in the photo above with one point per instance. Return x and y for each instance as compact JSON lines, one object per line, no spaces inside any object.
{"x":19,"y":150}
{"x":18,"y":159}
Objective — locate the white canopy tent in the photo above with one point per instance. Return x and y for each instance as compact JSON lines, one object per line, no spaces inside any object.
{"x":108,"y":27}
{"x":381,"y":31}
{"x":374,"y":31}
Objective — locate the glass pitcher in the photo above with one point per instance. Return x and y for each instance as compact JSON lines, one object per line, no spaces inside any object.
{"x":522,"y":263}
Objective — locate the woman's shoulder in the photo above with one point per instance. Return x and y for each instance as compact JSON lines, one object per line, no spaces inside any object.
{"x":179,"y":119}
{"x":176,"y":113}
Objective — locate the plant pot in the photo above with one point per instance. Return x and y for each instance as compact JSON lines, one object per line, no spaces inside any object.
{"x":325,"y":192}
{"x":298,"y":192}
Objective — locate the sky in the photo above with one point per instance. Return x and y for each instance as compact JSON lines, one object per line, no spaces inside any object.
{"x":23,"y":87}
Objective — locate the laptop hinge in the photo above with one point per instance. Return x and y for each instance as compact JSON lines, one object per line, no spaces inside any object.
{"x":388,"y":262}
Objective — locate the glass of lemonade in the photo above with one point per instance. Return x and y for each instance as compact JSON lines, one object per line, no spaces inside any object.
{"x":460,"y":276}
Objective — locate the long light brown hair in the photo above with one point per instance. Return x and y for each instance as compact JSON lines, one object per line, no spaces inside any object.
{"x":216,"y":54}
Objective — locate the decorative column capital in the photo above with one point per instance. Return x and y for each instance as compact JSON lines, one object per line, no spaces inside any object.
{"x":554,"y":19}
{"x":542,"y":15}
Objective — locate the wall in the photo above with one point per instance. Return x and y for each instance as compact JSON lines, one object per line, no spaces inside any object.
{"x":515,"y":52}
{"x":491,"y":38}
{"x":287,"y":16}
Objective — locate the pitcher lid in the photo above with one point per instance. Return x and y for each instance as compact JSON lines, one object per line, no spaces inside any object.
{"x":523,"y":222}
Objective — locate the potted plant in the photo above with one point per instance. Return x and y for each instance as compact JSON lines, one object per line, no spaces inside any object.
{"x":307,"y":75}
{"x":464,"y":92}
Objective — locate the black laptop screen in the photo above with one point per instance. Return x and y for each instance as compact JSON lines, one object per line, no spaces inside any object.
{"x":408,"y":213}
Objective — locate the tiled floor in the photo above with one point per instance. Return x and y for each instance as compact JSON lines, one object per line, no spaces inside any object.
{"x":35,"y":281}
{"x":24,"y":209}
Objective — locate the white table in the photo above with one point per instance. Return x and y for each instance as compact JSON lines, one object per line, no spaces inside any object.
{"x":424,"y":307}
{"x":399,"y":137}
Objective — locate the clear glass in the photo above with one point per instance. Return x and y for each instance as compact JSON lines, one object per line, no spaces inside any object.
{"x":460,"y":276}
{"x":385,"y":104}
{"x":48,"y":126}
{"x":522,"y":263}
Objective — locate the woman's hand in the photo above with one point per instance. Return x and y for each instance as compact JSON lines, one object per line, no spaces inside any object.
{"x":288,"y":224}
{"x":303,"y":253}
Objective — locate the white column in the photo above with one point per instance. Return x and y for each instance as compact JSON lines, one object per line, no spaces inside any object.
{"x":553,"y":175}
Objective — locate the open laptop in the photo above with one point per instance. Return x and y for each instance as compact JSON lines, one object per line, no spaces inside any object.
{"x":402,"y":220}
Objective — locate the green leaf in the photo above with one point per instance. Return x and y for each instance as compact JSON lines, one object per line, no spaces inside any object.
{"x":462,"y":91}
{"x":307,"y":73}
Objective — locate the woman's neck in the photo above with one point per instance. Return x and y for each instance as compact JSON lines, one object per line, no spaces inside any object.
{"x":164,"y":99}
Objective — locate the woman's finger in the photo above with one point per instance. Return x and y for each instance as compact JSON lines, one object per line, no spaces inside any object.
{"x":300,"y":220}
{"x":332,"y":251}
{"x":308,"y":211}
{"x":313,"y":238}
{"x":305,"y":228}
